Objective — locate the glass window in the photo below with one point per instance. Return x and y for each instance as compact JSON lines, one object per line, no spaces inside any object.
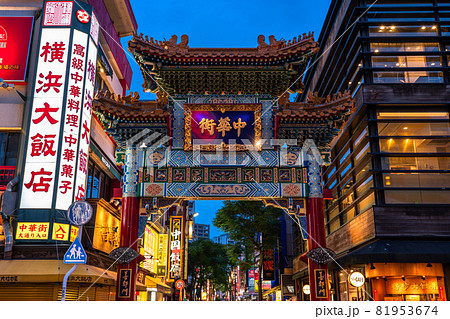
{"x":407,"y":77}
{"x":333,"y":213}
{"x":417,"y":197}
{"x":364,"y":170}
{"x":366,"y":185}
{"x":406,"y":61}
{"x":347,"y":201}
{"x":407,"y":145}
{"x":334,"y":225}
{"x":415,"y":163}
{"x":361,"y":136}
{"x":404,"y":47}
{"x":403,"y":30}
{"x":344,"y":156}
{"x":382,"y":115}
{"x":413,"y":129}
{"x":348,"y":215}
{"x":96,"y":184}
{"x":416,"y":180}
{"x":366,"y":203}
{"x":331,"y":172}
{"x":346,"y":169}
{"x":363,"y":152}
{"x":9,"y":147}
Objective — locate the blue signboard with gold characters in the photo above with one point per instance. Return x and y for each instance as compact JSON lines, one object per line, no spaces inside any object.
{"x":230,"y":126}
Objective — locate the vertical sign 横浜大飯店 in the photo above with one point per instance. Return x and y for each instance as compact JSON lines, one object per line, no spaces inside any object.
{"x":15,"y":37}
{"x":320,"y":276}
{"x":175,"y":248}
{"x":59,"y":127}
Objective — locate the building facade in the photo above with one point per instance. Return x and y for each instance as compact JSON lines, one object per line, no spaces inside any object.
{"x":201,"y":231}
{"x":389,"y":216}
{"x":34,"y":240}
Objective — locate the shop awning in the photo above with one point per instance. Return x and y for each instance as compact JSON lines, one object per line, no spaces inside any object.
{"x":52,"y":271}
{"x":152,"y":282}
{"x":412,"y":251}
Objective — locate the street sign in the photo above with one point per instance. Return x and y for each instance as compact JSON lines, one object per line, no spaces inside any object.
{"x":75,"y":254}
{"x":179,"y":284}
{"x":80,"y":212}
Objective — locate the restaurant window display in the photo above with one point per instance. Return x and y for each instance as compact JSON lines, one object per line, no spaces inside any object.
{"x":352,"y":285}
{"x":406,"y":282}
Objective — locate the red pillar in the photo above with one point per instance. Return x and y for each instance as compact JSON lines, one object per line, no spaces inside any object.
{"x":316,"y":239}
{"x":129,"y":228}
{"x":318,"y":274}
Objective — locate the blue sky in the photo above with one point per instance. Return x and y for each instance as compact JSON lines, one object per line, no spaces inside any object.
{"x":222,"y":24}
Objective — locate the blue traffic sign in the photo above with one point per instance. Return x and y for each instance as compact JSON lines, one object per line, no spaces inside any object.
{"x":80,"y":212}
{"x":75,"y":254}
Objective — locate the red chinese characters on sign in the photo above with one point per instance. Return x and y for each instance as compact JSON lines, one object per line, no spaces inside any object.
{"x":58,"y":13}
{"x":32,"y":231}
{"x":72,"y":123}
{"x":175,"y":247}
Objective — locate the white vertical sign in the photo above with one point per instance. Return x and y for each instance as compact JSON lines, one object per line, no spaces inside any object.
{"x":72,"y":120}
{"x":45,"y":122}
{"x":85,"y":125}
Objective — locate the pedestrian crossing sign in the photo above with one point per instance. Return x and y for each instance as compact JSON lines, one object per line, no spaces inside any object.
{"x":75,"y":254}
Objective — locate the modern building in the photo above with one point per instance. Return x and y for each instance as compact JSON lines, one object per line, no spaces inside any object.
{"x":389,"y":218}
{"x":223,"y":240}
{"x":201,"y":231}
{"x":34,"y":44}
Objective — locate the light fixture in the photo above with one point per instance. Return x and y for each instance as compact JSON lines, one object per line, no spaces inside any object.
{"x":372,"y":266}
{"x":423,"y":27}
{"x":376,"y":51}
{"x":403,"y":278}
{"x":102,"y":70}
{"x":429,"y":265}
{"x":423,"y":277}
{"x":433,"y":27}
{"x":393,"y":27}
{"x":195,"y":214}
{"x":405,"y":128}
{"x":384,"y":278}
{"x":382,"y":27}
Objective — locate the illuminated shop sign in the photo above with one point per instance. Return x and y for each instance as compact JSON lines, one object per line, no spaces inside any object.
{"x":356,"y":279}
{"x":59,"y":128}
{"x":175,"y":249}
{"x":15,"y":38}
{"x":224,"y":124}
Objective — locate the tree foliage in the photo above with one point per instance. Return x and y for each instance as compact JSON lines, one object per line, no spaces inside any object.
{"x":208,"y":260}
{"x":253,"y":227}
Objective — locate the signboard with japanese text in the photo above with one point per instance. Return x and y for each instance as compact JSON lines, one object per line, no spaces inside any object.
{"x":61,"y":231}
{"x":320,"y":276}
{"x":59,"y":128}
{"x":32,"y":231}
{"x":124,"y":283}
{"x":149,"y":249}
{"x":175,"y":248}
{"x":162,"y":255}
{"x":225,"y":125}
{"x":15,"y":39}
{"x":268,"y":265}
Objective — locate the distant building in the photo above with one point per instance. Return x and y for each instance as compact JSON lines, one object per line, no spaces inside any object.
{"x":223,"y":239}
{"x":201,"y":231}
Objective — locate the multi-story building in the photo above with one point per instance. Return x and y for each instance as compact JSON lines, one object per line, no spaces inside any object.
{"x":34,"y":237}
{"x":201,"y":231}
{"x":389,"y":218}
{"x":223,"y":240}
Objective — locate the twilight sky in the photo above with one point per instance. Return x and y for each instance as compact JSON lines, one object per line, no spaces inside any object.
{"x":222,"y":24}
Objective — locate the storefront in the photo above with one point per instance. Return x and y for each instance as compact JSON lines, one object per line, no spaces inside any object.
{"x":406,"y":281}
{"x":41,"y":280}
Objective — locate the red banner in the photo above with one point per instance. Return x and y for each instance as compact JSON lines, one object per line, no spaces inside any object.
{"x":15,"y":36}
